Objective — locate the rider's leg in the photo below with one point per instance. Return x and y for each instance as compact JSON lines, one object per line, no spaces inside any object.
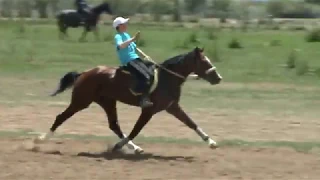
{"x":144,"y":81}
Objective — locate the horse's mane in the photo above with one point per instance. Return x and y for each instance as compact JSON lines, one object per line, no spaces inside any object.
{"x":174,"y":60}
{"x":102,"y":5}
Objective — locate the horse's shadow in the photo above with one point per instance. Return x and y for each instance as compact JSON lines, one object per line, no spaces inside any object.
{"x":134,"y":157}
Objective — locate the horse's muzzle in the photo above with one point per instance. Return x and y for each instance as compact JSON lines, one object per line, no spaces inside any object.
{"x":212,"y":76}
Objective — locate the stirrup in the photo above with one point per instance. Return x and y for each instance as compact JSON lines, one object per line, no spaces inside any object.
{"x":145,"y":102}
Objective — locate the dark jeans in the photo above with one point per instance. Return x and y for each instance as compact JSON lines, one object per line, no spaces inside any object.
{"x":142,"y":74}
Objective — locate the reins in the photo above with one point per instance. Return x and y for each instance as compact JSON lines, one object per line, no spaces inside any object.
{"x":168,"y":70}
{"x":158,"y":65}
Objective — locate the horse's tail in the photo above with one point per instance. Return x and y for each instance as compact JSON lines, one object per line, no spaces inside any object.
{"x":59,"y":17}
{"x":66,"y":82}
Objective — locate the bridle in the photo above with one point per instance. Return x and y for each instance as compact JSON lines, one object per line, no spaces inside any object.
{"x":208,"y":71}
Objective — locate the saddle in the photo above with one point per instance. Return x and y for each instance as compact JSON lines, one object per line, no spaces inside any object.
{"x":84,"y":14}
{"x":133,"y":89}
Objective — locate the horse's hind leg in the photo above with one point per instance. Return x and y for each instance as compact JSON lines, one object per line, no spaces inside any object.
{"x":77,"y":104}
{"x":109,"y":106}
{"x":62,"y":29}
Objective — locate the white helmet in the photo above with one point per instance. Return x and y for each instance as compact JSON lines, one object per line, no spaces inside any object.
{"x":119,"y":20}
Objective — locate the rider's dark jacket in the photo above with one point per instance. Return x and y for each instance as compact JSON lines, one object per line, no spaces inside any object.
{"x":82,"y":6}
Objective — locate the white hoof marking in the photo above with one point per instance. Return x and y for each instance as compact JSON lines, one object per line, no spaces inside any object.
{"x":212,"y":144}
{"x":138,"y":150}
{"x":43,"y":137}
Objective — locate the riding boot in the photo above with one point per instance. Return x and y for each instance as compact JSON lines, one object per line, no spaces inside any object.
{"x":145,"y":100}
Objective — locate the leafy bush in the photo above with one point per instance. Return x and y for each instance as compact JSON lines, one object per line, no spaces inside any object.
{"x":276,"y":7}
{"x":292,"y":59}
{"x":235,"y":44}
{"x":176,"y":12}
{"x":302,"y":68}
{"x":7,"y":7}
{"x":193,"y":38}
{"x":194,"y":6}
{"x":141,"y":42}
{"x":158,"y":8}
{"x":24,"y":8}
{"x":313,"y":35}
{"x":127,"y":8}
{"x":41,"y":6}
{"x":275,"y":43}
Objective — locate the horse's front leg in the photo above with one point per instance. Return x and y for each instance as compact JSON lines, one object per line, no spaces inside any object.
{"x":144,"y":118}
{"x":177,"y":112}
{"x":84,"y":34}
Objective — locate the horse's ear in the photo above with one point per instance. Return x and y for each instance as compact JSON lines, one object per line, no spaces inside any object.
{"x":202,"y":49}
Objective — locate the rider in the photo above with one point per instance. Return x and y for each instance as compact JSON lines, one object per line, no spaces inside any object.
{"x":126,"y":49}
{"x":83,"y":8}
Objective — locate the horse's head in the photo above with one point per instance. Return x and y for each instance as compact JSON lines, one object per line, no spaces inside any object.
{"x":202,"y":66}
{"x":106,"y":7}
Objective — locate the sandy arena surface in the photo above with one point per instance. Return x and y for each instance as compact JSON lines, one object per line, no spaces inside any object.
{"x":64,"y":159}
{"x":70,"y":159}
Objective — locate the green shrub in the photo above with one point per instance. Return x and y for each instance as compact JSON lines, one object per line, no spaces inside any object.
{"x":298,"y":28}
{"x":234,"y":44}
{"x":7,"y":7}
{"x":176,"y":12}
{"x":193,"y":38}
{"x":292,"y":59}
{"x":193,"y":19}
{"x":302,"y":68}
{"x":313,"y":35}
{"x":276,"y":7}
{"x":24,"y":8}
{"x":275,"y":43}
{"x":141,"y":42}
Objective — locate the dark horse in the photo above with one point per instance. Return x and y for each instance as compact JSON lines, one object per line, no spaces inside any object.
{"x":107,"y":85}
{"x":71,"y":18}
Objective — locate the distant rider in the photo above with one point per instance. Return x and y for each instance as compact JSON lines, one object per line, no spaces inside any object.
{"x":83,"y":8}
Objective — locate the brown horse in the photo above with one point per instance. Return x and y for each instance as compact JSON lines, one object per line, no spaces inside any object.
{"x":107,"y":85}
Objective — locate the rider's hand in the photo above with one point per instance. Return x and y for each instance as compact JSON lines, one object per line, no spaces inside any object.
{"x":136,"y":36}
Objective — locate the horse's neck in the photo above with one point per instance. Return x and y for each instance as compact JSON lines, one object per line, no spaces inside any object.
{"x":181,"y":69}
{"x":98,"y":10}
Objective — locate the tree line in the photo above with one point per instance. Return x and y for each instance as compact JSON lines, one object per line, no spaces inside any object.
{"x":176,"y":8}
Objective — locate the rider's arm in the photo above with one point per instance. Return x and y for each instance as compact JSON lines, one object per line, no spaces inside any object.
{"x":120,"y":44}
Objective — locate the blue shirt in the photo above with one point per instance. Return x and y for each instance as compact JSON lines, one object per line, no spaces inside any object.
{"x":125,"y":54}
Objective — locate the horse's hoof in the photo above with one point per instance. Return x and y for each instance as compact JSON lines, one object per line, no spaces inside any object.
{"x":37,"y":140}
{"x":116,"y":148}
{"x":138,"y":151}
{"x":212,"y":144}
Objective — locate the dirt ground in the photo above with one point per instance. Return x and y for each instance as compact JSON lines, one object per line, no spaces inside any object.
{"x":76,"y":159}
{"x":70,"y":159}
